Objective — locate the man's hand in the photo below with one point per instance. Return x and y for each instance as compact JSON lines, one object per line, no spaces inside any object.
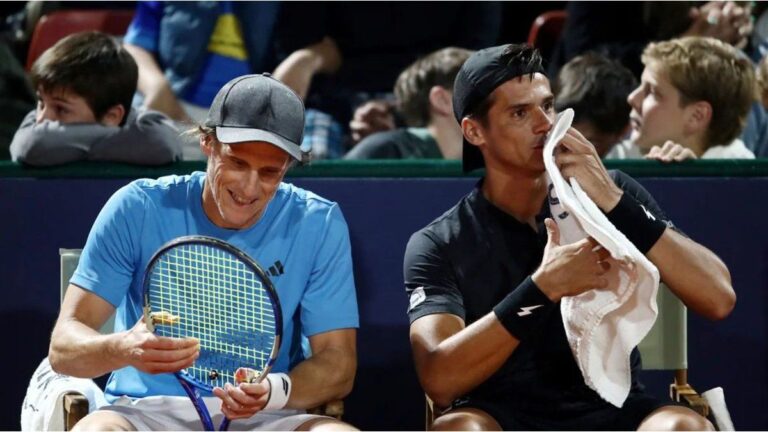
{"x":154,"y":354}
{"x":727,"y":21}
{"x":571,"y":269}
{"x":670,"y":152}
{"x":371,"y":117}
{"x":243,"y":400}
{"x":577,"y":157}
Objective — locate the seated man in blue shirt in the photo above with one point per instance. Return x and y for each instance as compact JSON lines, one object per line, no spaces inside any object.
{"x":250,"y":138}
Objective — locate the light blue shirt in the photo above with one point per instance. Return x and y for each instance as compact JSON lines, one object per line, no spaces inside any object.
{"x":305,"y":233}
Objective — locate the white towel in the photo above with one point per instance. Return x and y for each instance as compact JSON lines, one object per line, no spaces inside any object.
{"x":716,"y":399}
{"x":602,"y":325}
{"x":43,"y":409}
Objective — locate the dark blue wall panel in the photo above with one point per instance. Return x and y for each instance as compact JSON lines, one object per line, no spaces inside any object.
{"x":727,"y":215}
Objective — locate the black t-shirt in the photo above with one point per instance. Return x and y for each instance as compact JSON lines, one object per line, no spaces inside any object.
{"x":467,"y":260}
{"x":397,"y":144}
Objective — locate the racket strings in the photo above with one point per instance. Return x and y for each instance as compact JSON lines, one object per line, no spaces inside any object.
{"x":221,"y":302}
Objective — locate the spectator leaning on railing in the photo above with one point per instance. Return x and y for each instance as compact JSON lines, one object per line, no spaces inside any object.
{"x":85,"y":84}
{"x":693,"y":101}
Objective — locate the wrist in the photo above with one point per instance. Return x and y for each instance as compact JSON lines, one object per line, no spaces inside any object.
{"x":611,"y":199}
{"x":119,"y":356}
{"x":540,"y":279}
{"x":523,"y":310}
{"x":280,"y":387}
{"x":640,"y":226}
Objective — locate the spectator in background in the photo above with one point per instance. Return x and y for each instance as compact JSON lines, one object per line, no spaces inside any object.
{"x":85,"y":84}
{"x":16,"y":96}
{"x":635,"y":24}
{"x":423,"y":94}
{"x":621,"y":30}
{"x":692,"y":102}
{"x":762,"y":81}
{"x":373,"y":42}
{"x":597,"y":89}
{"x":187,"y":51}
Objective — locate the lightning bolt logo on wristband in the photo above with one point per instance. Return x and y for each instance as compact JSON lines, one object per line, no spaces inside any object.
{"x":528,"y":310}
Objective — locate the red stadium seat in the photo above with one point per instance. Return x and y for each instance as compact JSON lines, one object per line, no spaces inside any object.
{"x":53,"y":27}
{"x":545,"y":31}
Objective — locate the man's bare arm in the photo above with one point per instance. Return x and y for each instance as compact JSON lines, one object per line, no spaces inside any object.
{"x":329,"y":373}
{"x":154,"y":86}
{"x":452,"y":359}
{"x":695,"y":274}
{"x":78,"y":349}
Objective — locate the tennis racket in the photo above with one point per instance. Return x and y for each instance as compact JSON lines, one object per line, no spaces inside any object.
{"x":205,"y":288}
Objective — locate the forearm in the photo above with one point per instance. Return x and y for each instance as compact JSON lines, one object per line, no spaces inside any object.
{"x":695,"y":274}
{"x":53,"y":143}
{"x":326,"y":376}
{"x":297,"y":70}
{"x":80,"y":351}
{"x":152,"y":83}
{"x":461,"y":361}
{"x":150,"y":139}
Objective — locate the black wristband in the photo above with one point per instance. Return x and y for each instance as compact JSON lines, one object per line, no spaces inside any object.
{"x":640,"y":226}
{"x":523,"y":310}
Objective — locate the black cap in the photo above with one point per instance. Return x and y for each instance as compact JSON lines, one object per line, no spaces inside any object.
{"x":259,"y":108}
{"x":478,"y":78}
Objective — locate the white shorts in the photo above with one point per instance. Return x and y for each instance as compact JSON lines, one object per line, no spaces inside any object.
{"x":178,"y":413}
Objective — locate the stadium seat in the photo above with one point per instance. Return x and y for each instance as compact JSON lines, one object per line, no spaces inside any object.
{"x":665,"y":347}
{"x":53,"y":27}
{"x":545,"y":31}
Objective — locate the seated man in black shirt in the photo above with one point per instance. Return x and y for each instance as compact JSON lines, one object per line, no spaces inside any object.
{"x":485,"y":278}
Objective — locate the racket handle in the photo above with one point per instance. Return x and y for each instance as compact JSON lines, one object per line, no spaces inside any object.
{"x":224,"y":424}
{"x":197,"y":401}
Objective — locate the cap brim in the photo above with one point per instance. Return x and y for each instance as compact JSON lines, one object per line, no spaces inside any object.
{"x":234,"y":135}
{"x":471,"y":157}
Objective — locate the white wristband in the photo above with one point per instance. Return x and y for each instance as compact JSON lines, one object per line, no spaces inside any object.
{"x":279,"y":390}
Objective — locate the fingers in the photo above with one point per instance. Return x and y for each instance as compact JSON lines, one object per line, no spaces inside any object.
{"x":575,"y":142}
{"x":602,"y":253}
{"x":605,"y":265}
{"x":171,"y":343}
{"x":162,"y":361}
{"x":373,"y":116}
{"x":670,"y":152}
{"x":242,"y":401}
{"x":150,"y":353}
{"x":169,"y":355}
{"x":653,"y":153}
{"x":683,"y":155}
{"x":167,"y":367}
{"x":553,"y":233}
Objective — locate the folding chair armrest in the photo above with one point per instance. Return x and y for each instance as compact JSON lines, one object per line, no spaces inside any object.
{"x":334,"y":408}
{"x":686,"y":394}
{"x":75,"y":408}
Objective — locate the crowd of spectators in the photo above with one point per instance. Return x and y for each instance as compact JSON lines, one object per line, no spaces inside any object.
{"x":376,"y":78}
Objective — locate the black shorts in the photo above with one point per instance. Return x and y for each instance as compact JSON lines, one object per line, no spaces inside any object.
{"x":604,"y":417}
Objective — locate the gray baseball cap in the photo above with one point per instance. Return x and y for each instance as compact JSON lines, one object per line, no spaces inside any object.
{"x":259,"y":108}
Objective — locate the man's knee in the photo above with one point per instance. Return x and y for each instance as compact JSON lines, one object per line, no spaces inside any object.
{"x":468,"y":419}
{"x":675,"y":418}
{"x":325,"y":424}
{"x":103,"y":421}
